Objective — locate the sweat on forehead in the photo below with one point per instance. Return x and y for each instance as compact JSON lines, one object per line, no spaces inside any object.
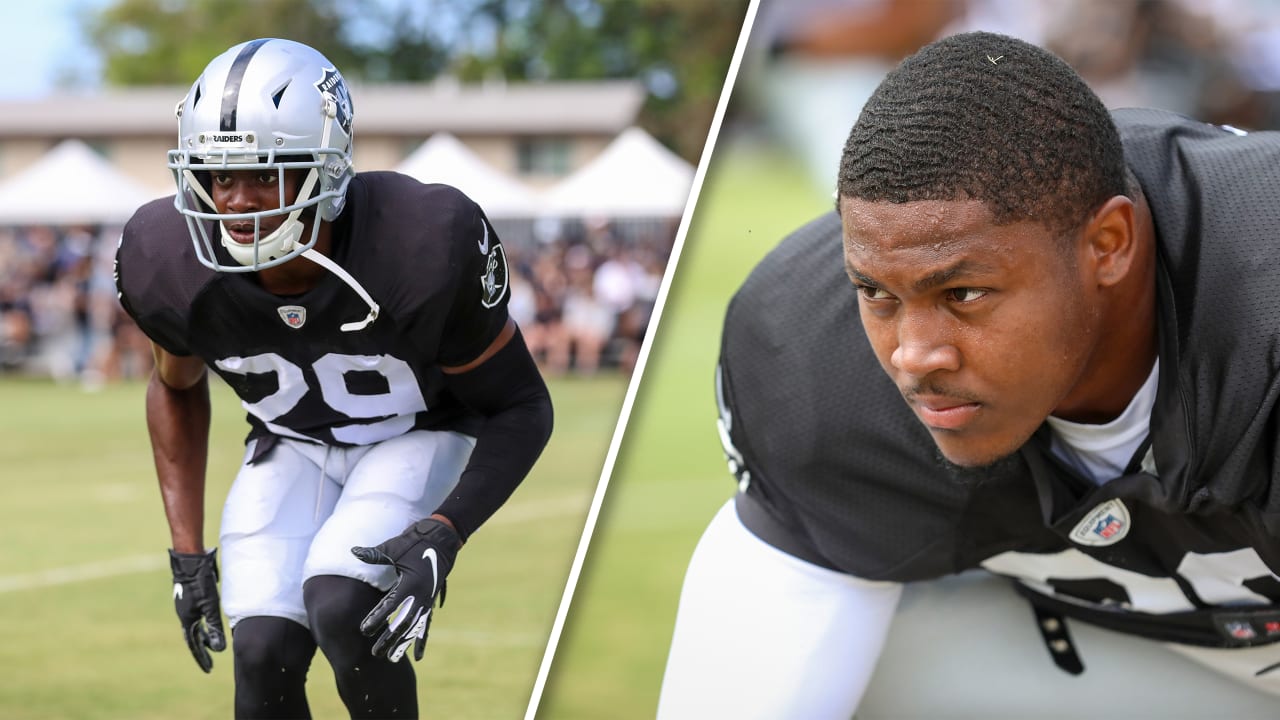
{"x":981,"y":116}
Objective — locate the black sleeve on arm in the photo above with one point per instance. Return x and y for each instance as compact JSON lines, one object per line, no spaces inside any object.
{"x":508,"y":390}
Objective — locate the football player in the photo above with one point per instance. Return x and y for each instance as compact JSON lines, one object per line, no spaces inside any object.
{"x":1033,"y":337}
{"x":362,"y":320}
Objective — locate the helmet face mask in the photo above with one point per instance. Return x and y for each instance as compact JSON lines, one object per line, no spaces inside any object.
{"x":264,"y":106}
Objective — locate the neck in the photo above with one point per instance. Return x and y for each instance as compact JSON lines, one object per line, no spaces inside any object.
{"x":297,"y":276}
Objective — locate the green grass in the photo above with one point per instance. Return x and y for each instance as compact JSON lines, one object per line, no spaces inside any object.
{"x":79,"y":489}
{"x":670,"y":475}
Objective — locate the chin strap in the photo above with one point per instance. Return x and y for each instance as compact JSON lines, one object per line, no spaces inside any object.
{"x":345,"y":276}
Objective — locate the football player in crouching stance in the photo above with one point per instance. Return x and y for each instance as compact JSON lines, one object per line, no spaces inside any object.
{"x":362,"y":320}
{"x":1034,"y":337}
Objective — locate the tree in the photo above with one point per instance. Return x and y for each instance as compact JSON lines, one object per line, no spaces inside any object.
{"x":152,"y":42}
{"x":679,"y":49}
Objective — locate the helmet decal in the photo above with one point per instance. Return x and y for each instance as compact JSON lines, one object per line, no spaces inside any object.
{"x":333,"y":84}
{"x":231,"y":91}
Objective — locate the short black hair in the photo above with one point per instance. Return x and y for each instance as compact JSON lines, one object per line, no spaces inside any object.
{"x":982,"y":116}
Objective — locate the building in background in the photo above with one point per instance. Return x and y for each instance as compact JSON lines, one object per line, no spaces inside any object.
{"x":537,"y":133}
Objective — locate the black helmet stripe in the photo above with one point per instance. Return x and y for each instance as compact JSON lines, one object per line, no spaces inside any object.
{"x":231,"y":91}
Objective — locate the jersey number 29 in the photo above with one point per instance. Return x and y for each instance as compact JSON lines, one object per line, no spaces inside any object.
{"x":401,"y":401}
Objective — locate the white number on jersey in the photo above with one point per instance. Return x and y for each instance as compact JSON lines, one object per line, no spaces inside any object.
{"x":1218,"y":578}
{"x":402,"y":400}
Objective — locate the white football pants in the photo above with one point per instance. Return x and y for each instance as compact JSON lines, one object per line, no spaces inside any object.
{"x":298,"y":512}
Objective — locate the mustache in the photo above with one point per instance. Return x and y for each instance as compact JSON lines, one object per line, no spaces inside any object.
{"x":910,"y":393}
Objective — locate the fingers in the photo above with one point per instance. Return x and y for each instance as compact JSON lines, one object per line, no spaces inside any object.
{"x":217,"y":636}
{"x":398,"y":652}
{"x":394,"y":642}
{"x":197,"y":639}
{"x":386,"y":640}
{"x":394,"y":635}
{"x":403,"y":632}
{"x":371,"y":555}
{"x":421,"y":645}
{"x":378,"y":615}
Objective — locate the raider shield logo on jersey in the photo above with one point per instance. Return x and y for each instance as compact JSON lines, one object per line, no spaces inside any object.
{"x":493,"y":282}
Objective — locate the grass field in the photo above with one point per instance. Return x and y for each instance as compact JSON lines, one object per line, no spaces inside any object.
{"x":86,"y":617}
{"x":670,"y":475}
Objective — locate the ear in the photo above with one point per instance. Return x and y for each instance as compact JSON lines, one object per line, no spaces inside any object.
{"x":1110,"y":241}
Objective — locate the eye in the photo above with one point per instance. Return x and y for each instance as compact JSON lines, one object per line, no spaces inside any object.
{"x":268,"y":178}
{"x":966,"y":295}
{"x":221,"y":179}
{"x":871,"y":292}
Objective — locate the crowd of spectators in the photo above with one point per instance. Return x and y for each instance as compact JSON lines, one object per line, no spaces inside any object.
{"x":582,"y":297}
{"x":58,"y":311}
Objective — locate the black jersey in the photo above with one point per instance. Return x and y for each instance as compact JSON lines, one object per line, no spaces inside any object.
{"x":838,"y":470}
{"x":425,"y":253}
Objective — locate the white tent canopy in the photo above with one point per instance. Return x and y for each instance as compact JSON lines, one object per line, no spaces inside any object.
{"x":444,"y":159}
{"x":70,"y":185}
{"x":635,"y":176}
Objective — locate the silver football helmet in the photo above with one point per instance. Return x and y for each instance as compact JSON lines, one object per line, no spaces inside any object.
{"x":267,"y":105}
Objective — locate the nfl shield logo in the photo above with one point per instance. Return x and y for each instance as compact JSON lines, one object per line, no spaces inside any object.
{"x":1106,"y":524}
{"x":1241,"y":630}
{"x":295,"y":316}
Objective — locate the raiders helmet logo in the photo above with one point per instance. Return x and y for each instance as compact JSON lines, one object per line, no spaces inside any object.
{"x":332,"y":84}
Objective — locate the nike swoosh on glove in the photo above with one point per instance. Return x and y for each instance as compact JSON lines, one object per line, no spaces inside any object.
{"x":422,"y":555}
{"x":195,"y":597}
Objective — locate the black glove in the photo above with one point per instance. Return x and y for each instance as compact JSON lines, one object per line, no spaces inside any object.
{"x":422,"y":555}
{"x":195,"y":597}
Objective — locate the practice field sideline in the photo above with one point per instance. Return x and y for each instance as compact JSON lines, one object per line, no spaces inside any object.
{"x":85,"y":611}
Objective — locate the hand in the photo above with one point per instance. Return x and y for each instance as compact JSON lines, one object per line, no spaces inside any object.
{"x":422,"y":556}
{"x":195,"y":597}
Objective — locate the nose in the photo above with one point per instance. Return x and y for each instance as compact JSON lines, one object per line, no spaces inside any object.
{"x":925,"y":345}
{"x":240,"y":197}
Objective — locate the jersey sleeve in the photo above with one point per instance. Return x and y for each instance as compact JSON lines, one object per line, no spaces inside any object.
{"x":144,"y":282}
{"x":479,"y":308}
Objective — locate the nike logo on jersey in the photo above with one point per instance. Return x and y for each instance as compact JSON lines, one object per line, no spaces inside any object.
{"x":484,"y":242}
{"x":430,"y":554}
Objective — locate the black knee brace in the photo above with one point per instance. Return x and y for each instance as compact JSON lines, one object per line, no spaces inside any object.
{"x":371,"y":687}
{"x":272,"y":655}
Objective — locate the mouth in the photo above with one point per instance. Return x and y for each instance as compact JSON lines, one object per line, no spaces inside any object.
{"x":939,"y":412}
{"x":242,"y":232}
